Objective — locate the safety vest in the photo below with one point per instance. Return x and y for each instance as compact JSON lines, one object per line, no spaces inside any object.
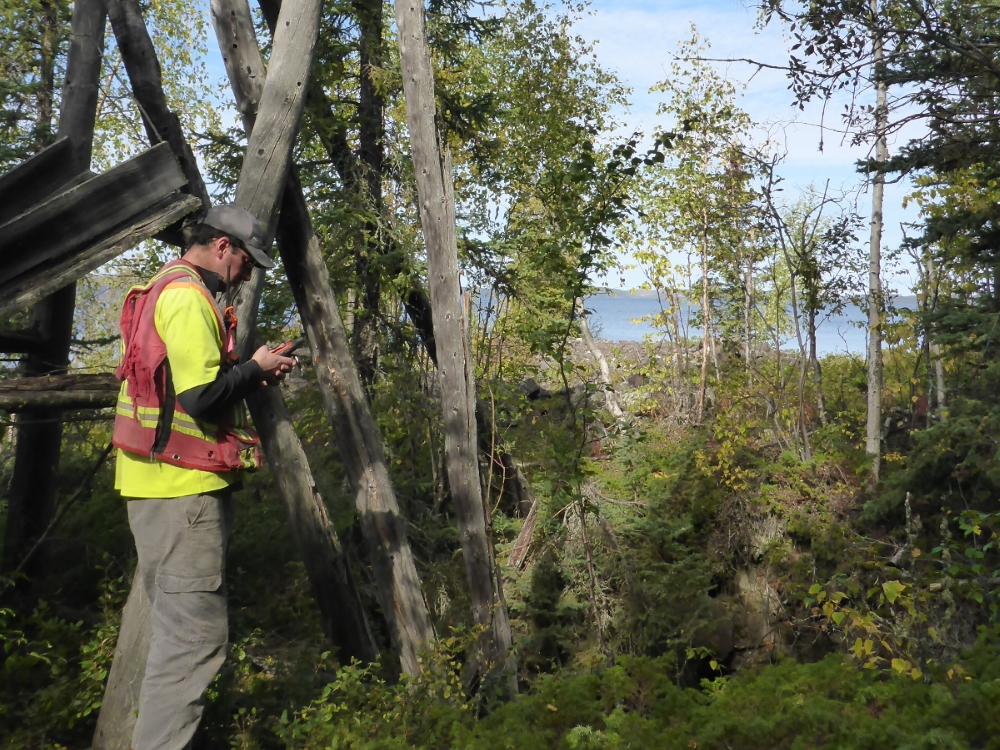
{"x":149,"y":420}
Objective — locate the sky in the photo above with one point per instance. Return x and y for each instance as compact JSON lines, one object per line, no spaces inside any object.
{"x":637,"y":38}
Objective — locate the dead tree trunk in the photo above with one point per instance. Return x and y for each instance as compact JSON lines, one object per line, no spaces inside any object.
{"x":400,"y":592}
{"x":602,"y":363}
{"x":934,"y":349}
{"x":437,"y":217}
{"x":32,"y":494}
{"x":703,"y":380}
{"x":371,"y":129}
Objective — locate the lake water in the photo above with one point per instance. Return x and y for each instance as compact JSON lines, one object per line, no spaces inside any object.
{"x":612,"y":317}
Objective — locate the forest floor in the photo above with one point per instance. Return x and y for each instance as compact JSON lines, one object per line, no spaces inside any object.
{"x":685,"y":586}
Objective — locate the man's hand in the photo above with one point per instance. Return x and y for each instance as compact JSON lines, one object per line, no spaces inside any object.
{"x":274,"y":365}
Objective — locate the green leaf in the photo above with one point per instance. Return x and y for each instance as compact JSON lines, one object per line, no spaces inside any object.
{"x":892,"y":590}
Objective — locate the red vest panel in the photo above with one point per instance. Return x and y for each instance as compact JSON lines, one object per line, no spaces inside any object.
{"x":149,"y":420}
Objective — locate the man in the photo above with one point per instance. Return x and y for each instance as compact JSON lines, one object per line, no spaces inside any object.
{"x":183,"y":447}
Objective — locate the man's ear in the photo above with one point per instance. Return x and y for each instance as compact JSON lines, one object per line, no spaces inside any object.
{"x":223,"y":246}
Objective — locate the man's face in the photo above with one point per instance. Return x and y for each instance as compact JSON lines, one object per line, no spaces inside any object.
{"x":236,"y":263}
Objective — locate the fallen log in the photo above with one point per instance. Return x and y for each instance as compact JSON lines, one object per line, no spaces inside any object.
{"x":81,"y":391}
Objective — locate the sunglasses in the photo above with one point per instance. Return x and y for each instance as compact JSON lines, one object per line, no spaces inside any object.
{"x":251,"y":263}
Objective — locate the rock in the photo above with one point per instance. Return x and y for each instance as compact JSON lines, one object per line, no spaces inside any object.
{"x":636,"y":380}
{"x":530,"y":388}
{"x":756,"y":617}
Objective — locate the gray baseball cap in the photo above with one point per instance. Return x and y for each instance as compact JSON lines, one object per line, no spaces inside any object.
{"x":243,"y":225}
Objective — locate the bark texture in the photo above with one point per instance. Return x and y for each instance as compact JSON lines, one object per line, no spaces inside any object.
{"x":121,"y":695}
{"x":437,"y":217}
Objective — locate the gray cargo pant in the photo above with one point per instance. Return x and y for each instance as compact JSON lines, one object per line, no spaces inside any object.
{"x":181,"y":544}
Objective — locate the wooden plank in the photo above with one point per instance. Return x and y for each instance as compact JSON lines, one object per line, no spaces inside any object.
{"x":81,"y":216}
{"x":437,"y":219}
{"x":37,"y":178}
{"x":48,"y":277}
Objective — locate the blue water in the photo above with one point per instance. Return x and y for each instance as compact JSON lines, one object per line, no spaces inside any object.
{"x":612,"y":318}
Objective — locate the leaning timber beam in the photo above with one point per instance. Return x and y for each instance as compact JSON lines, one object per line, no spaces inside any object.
{"x":358,"y":441}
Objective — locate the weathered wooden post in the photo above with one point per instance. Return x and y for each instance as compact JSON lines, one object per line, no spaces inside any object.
{"x":272,"y":127}
{"x":36,"y":463}
{"x":437,"y":218}
{"x":360,"y":447}
{"x":144,"y":75}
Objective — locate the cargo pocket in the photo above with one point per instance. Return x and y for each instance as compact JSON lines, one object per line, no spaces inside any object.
{"x":195,"y":560}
